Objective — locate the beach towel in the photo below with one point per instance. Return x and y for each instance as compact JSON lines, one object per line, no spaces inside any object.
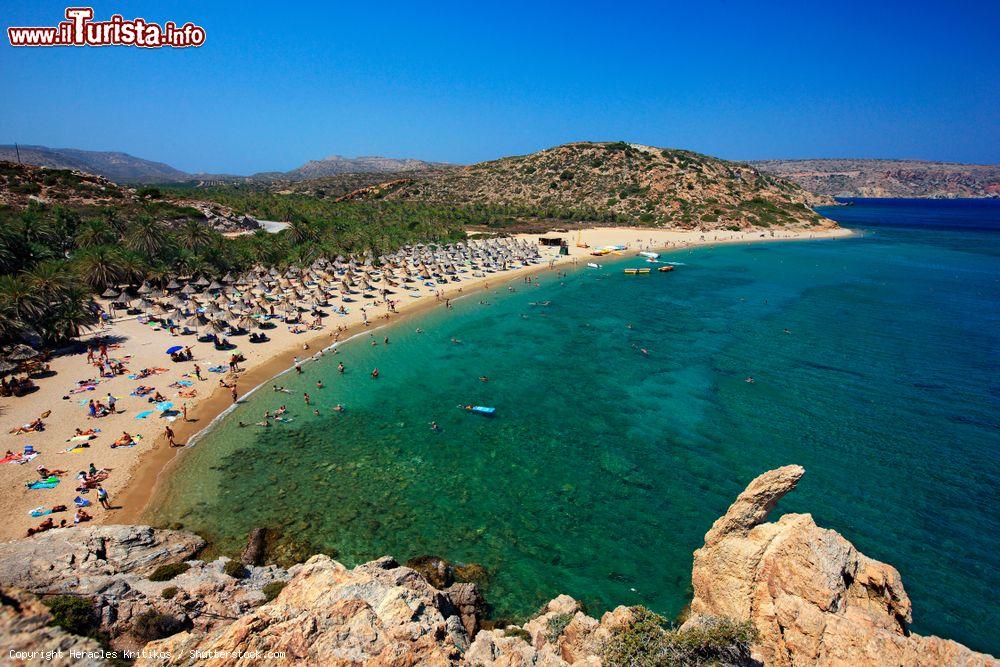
{"x":24,"y":458}
{"x":164,"y":406}
{"x":144,"y":414}
{"x":39,"y":511}
{"x":75,"y":449}
{"x":43,"y":484}
{"x":217,"y":369}
{"x":80,"y":390}
{"x":81,"y":438}
{"x":10,"y":459}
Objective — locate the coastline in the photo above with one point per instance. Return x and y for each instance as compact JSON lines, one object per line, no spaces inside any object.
{"x":136,"y":482}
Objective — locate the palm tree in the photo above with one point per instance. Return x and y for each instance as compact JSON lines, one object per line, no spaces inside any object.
{"x":99,"y":267}
{"x":133,"y":268}
{"x":94,"y":233}
{"x":146,"y":236}
{"x":19,"y":307}
{"x":300,"y":231}
{"x":74,"y":313}
{"x":194,"y":235}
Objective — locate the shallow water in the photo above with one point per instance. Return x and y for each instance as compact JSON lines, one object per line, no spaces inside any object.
{"x":604,"y":466}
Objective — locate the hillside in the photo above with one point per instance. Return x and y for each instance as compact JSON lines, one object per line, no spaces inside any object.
{"x":118,"y":167}
{"x":887,"y":178}
{"x":617,"y":182}
{"x":125,"y":168}
{"x":338,"y":185}
{"x":337,"y":164}
{"x":86,"y":194}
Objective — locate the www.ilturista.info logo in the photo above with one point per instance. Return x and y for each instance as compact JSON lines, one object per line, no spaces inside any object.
{"x":79,"y":29}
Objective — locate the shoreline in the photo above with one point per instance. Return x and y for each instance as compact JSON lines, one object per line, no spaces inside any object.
{"x":137,"y":483}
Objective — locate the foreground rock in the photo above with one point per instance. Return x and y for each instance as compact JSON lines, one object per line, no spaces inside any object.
{"x":29,"y":639}
{"x":110,"y":565}
{"x":787,"y":593}
{"x":814,"y":598}
{"x":376,"y":614}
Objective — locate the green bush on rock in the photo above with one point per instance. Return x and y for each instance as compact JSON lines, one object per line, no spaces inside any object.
{"x":73,"y":614}
{"x":647,"y":641}
{"x":272,"y":590}
{"x":151,"y":625}
{"x":169,"y":571}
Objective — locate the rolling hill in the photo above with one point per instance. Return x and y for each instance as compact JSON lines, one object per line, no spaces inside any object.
{"x":115,"y":166}
{"x":125,"y":168}
{"x":887,"y":178}
{"x":620,"y":182}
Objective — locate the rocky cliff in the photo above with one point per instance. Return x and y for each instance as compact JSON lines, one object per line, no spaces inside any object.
{"x":813,"y":597}
{"x":784,"y":593}
{"x":887,"y":178}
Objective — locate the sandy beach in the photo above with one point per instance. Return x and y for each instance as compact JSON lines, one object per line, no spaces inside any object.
{"x":133,"y":472}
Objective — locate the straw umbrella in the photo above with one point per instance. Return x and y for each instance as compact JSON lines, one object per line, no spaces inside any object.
{"x":21,"y":352}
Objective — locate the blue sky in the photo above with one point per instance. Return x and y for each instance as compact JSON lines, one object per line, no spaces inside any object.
{"x":277,"y":84}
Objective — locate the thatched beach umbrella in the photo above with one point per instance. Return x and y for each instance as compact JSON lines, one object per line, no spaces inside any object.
{"x":21,"y":352}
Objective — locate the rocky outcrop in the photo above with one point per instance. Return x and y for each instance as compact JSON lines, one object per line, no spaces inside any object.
{"x":376,"y":614}
{"x":110,"y":565}
{"x":813,"y":597}
{"x":28,"y":639}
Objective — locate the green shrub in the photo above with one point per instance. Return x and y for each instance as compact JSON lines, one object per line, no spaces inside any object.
{"x":73,"y":614}
{"x":557,"y":624}
{"x":168,"y":592}
{"x":152,"y":625}
{"x":169,"y":571}
{"x":235,"y":569}
{"x":520,"y":633}
{"x":272,"y":589}
{"x":647,"y":641}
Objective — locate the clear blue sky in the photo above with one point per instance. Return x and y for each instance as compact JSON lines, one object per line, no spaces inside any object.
{"x":279,"y":83}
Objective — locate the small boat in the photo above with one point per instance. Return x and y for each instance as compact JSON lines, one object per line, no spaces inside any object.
{"x":633,"y":272}
{"x":593,"y":266}
{"x":481,"y":409}
{"x":665,"y":269}
{"x":650,"y":255}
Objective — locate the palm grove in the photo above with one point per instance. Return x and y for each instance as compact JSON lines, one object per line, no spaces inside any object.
{"x":54,"y":259}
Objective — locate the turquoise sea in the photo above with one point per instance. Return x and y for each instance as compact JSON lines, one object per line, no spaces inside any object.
{"x":876,"y":362}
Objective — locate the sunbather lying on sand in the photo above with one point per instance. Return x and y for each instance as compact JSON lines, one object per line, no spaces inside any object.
{"x":35,"y":425}
{"x":191,"y":393}
{"x":125,"y":440}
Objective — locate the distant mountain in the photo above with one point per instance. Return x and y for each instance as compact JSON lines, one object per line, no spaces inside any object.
{"x":887,"y":178}
{"x":118,"y":167}
{"x":619,"y":182}
{"x":125,"y":168}
{"x":338,"y":164}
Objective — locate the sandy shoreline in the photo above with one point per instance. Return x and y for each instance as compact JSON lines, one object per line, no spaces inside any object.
{"x":136,"y":473}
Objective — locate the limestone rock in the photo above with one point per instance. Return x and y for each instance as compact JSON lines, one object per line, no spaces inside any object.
{"x":376,"y":614}
{"x":814,"y":598}
{"x":469,"y":604}
{"x":28,"y":639}
{"x":111,"y":564}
